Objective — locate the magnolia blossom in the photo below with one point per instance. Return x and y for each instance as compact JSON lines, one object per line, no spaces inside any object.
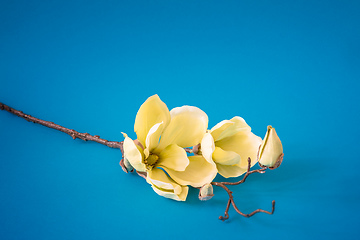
{"x":158,"y":151}
{"x":228,"y":145}
{"x":271,"y":150}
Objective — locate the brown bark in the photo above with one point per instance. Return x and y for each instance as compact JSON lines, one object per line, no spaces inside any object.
{"x":231,"y":198}
{"x":74,"y":134}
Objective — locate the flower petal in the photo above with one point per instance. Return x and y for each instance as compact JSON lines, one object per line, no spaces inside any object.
{"x":225,"y":157}
{"x":238,"y":125}
{"x":173,"y":157}
{"x":208,"y":147}
{"x":168,"y":194}
{"x":158,"y":177}
{"x":230,"y":170}
{"x":133,"y":153}
{"x":187,"y":127}
{"x":151,"y":112}
{"x":152,"y":138}
{"x":244,"y":143}
{"x":220,"y":127}
{"x":198,"y":173}
{"x":165,"y":186}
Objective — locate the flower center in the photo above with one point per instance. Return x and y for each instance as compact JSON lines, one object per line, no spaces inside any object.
{"x":151,"y":160}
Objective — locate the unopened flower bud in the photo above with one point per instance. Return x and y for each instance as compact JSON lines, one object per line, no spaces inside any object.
{"x":271,"y":150}
{"x":126,"y":166}
{"x":206,"y":192}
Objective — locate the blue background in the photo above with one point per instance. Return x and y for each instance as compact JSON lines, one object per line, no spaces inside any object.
{"x":89,"y":65}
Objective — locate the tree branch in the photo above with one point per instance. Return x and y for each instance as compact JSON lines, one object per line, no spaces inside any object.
{"x":248,"y":172}
{"x":231,"y":198}
{"x":74,"y":134}
{"x":188,"y":150}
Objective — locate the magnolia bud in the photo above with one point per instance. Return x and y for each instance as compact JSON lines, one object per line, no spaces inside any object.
{"x":206,"y":192}
{"x":126,"y":166}
{"x":271,"y":150}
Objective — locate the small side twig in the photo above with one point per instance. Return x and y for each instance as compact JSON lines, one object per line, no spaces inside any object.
{"x":231,"y":198}
{"x":188,"y":150}
{"x":74,"y":134}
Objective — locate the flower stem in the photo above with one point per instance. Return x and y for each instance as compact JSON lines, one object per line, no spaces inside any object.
{"x":231,"y":198}
{"x":74,"y":134}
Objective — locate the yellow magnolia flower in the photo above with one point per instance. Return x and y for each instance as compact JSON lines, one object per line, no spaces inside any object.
{"x":161,"y":137}
{"x":271,"y":150}
{"x":228,"y":145}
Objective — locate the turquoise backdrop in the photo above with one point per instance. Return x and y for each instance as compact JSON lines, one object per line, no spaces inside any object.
{"x":89,"y":65}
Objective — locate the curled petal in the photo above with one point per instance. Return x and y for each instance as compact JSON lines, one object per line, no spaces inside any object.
{"x":207,"y":147}
{"x":152,"y":138}
{"x":133,"y":153}
{"x":225,"y":157}
{"x":165,"y":186}
{"x":151,"y":112}
{"x":244,"y":143}
{"x":196,"y":174}
{"x":187,"y":127}
{"x":173,"y":157}
{"x":169,"y":194}
{"x":224,"y":129}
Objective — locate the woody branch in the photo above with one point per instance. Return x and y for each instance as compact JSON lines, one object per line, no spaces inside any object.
{"x":74,"y":134}
{"x":231,"y":198}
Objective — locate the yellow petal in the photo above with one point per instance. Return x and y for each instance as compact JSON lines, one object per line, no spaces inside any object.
{"x":152,"y":138}
{"x":271,"y":148}
{"x":230,"y":170}
{"x":173,"y":157}
{"x":159,"y":178}
{"x":207,"y":147}
{"x":244,"y":143}
{"x":225,"y":157}
{"x":151,"y":112}
{"x":197,"y":173}
{"x":227,"y":130}
{"x":168,"y":194}
{"x":133,"y":153}
{"x":220,"y":127}
{"x":187,"y":127}
{"x":165,"y":186}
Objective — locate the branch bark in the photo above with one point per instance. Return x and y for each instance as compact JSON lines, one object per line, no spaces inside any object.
{"x":231,"y":198}
{"x":74,"y":134}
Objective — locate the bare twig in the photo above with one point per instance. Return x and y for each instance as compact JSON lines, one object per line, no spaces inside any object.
{"x":248,"y":172}
{"x":74,"y":134}
{"x":188,"y":150}
{"x":231,"y":198}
